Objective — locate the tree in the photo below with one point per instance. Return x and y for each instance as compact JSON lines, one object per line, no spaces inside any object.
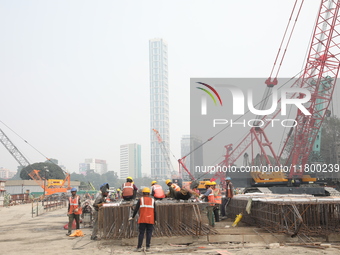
{"x":48,"y":170}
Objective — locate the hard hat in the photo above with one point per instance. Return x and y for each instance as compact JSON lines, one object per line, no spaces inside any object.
{"x":73,"y":190}
{"x":118,"y":189}
{"x":228,"y":178}
{"x":146,"y":190}
{"x":207,"y":183}
{"x":129,"y":178}
{"x":213,"y":183}
{"x":167,"y":181}
{"x":153,"y":182}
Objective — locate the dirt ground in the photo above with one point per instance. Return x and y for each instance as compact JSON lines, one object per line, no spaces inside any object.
{"x":24,"y":235}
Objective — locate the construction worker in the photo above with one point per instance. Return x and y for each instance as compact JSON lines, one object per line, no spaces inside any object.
{"x":176,"y":192}
{"x":129,"y":190}
{"x":118,"y":194}
{"x":229,"y":193}
{"x":217,"y":199}
{"x":74,"y":210}
{"x":98,"y":203}
{"x":157,"y":191}
{"x":147,"y":218}
{"x":209,"y":197}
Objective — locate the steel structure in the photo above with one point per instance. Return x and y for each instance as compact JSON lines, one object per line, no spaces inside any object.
{"x":319,"y":78}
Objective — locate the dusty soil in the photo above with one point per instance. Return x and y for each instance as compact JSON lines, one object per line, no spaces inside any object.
{"x":20,"y":233}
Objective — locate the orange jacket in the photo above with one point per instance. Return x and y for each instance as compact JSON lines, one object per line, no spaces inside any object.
{"x":74,"y":205}
{"x":175,"y":187}
{"x":218,"y":196}
{"x":211,"y":197}
{"x":146,"y":210}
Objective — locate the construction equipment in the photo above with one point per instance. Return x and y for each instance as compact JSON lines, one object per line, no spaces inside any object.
{"x":50,"y":188}
{"x":319,"y":78}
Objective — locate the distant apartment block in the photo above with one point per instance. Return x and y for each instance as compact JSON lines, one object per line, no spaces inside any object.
{"x":130,"y":161}
{"x":99,"y":166}
{"x":189,"y":144}
{"x":6,"y":174}
{"x":159,"y":108}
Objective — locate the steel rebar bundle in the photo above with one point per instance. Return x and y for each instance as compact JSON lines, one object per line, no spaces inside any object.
{"x":173,"y":219}
{"x":292,"y":217}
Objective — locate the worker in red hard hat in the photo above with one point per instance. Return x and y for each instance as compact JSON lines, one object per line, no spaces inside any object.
{"x":74,"y":210}
{"x":147,"y":218}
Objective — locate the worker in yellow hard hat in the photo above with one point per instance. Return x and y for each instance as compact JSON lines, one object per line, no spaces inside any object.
{"x":147,"y":218}
{"x":157,"y":191}
{"x":209,"y":197}
{"x":129,"y":190}
{"x":218,"y":200}
{"x":118,"y":194}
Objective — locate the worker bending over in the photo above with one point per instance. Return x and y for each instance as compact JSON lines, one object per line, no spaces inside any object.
{"x":147,"y":218}
{"x":176,"y":192}
{"x":98,"y":203}
{"x":157,"y":191}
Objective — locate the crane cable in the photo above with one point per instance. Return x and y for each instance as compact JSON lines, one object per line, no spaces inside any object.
{"x":283,"y":39}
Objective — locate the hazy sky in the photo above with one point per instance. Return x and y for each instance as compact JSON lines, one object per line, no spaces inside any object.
{"x":74,"y":75}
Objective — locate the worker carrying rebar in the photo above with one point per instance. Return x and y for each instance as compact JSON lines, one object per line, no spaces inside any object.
{"x":176,"y":192}
{"x":98,"y":203}
{"x":129,"y":190}
{"x":157,"y":191}
{"x":229,"y":193}
{"x":74,"y":210}
{"x":208,"y":196}
{"x":147,"y":218}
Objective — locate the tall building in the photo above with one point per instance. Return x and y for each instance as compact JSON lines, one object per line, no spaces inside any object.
{"x":190,"y":144}
{"x":99,"y":166}
{"x":130,"y":161}
{"x":159,"y":108}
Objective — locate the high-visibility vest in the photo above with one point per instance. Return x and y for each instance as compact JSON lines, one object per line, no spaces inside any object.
{"x":146,"y":210}
{"x":74,"y":204}
{"x":218,"y":196}
{"x":211,"y":197}
{"x":158,"y":191}
{"x":175,"y":187}
{"x":127,"y":189}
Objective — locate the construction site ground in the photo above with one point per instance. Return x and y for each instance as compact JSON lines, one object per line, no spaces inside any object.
{"x":20,"y":233}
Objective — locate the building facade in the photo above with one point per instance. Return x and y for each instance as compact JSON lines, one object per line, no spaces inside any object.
{"x":159,"y":108}
{"x":6,"y":174}
{"x":130,"y":161}
{"x":191,"y":144}
{"x":99,"y":166}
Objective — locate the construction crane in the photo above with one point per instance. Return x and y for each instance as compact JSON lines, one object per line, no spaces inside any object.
{"x":319,"y":78}
{"x":49,"y":189}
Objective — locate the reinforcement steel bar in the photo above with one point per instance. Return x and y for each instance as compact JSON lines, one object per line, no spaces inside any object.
{"x":173,"y":219}
{"x":312,"y":218}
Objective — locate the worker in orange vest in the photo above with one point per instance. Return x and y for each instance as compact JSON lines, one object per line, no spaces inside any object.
{"x":209,"y":197}
{"x":217,"y":199}
{"x":157,"y":191}
{"x":74,"y":210}
{"x":129,"y":190}
{"x":229,"y":193}
{"x":147,"y":218}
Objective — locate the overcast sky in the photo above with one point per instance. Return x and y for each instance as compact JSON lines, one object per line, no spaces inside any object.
{"x":74,"y":75}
